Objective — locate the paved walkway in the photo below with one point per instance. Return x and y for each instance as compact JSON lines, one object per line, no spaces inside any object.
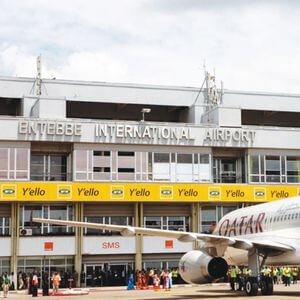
{"x":189,"y":292}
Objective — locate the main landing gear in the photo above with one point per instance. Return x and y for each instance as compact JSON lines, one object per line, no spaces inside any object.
{"x":255,"y":282}
{"x":252,"y":285}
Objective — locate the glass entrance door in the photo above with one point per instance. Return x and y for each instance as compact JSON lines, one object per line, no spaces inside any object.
{"x":94,"y":276}
{"x":118,"y":275}
{"x":225,"y":170}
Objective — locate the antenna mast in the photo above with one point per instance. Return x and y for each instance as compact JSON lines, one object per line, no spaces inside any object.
{"x":39,"y":75}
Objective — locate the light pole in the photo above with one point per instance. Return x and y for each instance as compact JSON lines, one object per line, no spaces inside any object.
{"x":145,"y":111}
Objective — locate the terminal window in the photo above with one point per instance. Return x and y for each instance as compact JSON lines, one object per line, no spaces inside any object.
{"x":14,"y":164}
{"x":274,"y":168}
{"x":113,"y":220}
{"x":48,"y":167}
{"x":177,"y":223}
{"x":93,"y":165}
{"x":60,"y":212}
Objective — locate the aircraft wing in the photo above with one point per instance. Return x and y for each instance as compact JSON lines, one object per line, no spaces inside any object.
{"x":182,"y":236}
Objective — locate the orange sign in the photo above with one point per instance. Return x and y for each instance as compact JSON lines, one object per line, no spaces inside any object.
{"x":169,"y":244}
{"x":48,"y":246}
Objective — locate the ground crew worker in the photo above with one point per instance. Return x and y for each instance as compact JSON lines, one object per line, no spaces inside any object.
{"x":175,"y":276}
{"x":232,"y":275}
{"x":266,"y":271}
{"x":295,"y":275}
{"x":274,"y":275}
{"x":238,"y":281}
{"x":249,"y":272}
{"x":281,"y":272}
{"x":287,"y":275}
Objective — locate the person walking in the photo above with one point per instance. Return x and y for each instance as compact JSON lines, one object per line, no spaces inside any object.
{"x":175,"y":275}
{"x":20,"y":281}
{"x":45,"y":284}
{"x":12,"y":282}
{"x":55,"y":282}
{"x":156,"y":283}
{"x":294,"y":274}
{"x":35,"y":284}
{"x":275,"y":275}
{"x":5,"y":284}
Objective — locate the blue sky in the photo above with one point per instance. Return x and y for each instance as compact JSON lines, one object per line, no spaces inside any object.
{"x":252,"y":45}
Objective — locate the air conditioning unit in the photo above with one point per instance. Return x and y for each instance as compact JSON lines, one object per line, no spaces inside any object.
{"x":25,"y":232}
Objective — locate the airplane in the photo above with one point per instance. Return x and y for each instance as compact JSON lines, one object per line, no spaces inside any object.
{"x":267,"y":233}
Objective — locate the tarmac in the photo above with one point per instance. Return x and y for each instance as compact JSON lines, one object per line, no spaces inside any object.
{"x":180,"y":292}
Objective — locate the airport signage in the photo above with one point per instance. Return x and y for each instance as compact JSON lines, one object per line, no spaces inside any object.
{"x":143,"y":131}
{"x":111,"y":131}
{"x":143,"y":192}
{"x":50,"y":128}
{"x":146,"y":133}
{"x":108,"y":245}
{"x":229,"y":135}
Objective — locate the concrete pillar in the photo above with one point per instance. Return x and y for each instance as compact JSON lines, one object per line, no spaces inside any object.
{"x":138,"y":207}
{"x":14,"y":239}
{"x":79,"y":207}
{"x":195,"y":220}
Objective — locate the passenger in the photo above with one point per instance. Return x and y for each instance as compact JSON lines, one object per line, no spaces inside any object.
{"x":170,"y":282}
{"x":45,"y":284}
{"x":20,"y":281}
{"x":55,"y":282}
{"x":5,"y":284}
{"x":156,"y":283}
{"x":145,"y":285}
{"x":130,"y":283}
{"x":12,"y":283}
{"x":139,"y":283}
{"x":151,"y":277}
{"x":35,"y":284}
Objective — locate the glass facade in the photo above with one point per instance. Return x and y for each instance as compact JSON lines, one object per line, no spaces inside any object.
{"x":59,"y":212}
{"x":4,"y":265}
{"x":14,"y":164}
{"x":115,"y":220}
{"x":176,"y":223}
{"x":48,"y":167}
{"x":274,"y":169}
{"x":49,"y":265}
{"x":141,"y":166}
{"x":211,"y":215}
{"x":5,"y":226}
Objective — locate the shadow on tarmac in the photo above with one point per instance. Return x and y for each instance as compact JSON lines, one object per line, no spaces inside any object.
{"x":206,"y":294}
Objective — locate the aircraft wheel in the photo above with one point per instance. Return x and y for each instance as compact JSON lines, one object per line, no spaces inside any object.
{"x":251,"y":288}
{"x":270,"y":287}
{"x":264,"y":287}
{"x":267,"y":286}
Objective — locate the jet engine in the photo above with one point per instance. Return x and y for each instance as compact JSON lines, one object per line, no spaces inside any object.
{"x":199,"y":267}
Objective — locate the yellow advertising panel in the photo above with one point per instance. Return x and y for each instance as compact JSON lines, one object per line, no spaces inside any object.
{"x":143,"y":192}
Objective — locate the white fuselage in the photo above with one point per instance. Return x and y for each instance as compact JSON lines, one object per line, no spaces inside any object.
{"x":278,"y":221}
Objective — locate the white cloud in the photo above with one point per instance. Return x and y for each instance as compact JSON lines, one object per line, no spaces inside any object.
{"x":252,"y":46}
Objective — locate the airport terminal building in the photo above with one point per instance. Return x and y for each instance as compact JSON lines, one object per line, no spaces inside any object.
{"x":165,"y":157}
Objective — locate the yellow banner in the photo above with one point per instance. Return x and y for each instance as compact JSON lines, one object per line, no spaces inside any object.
{"x":143,"y":192}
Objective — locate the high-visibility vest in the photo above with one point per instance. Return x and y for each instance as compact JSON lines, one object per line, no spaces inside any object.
{"x":232,"y":273}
